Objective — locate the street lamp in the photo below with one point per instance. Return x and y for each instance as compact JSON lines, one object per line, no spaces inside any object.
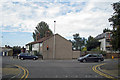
{"x":54,"y":41}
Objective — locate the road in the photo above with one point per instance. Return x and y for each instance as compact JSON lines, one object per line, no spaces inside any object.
{"x":55,"y":68}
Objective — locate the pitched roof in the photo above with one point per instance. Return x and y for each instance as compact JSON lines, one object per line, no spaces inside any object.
{"x":44,"y":39}
{"x":100,"y":36}
{"x":39,"y":41}
{"x":5,"y":49}
{"x":103,"y":35}
{"x":63,"y":37}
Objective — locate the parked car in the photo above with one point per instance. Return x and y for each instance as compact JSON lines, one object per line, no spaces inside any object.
{"x":27,"y":56}
{"x":91,"y":57}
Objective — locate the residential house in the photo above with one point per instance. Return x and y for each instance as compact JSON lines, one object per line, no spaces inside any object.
{"x":52,"y":47}
{"x":105,"y":39}
{"x":6,"y":51}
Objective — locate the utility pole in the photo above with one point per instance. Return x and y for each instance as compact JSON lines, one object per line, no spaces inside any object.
{"x":54,"y":41}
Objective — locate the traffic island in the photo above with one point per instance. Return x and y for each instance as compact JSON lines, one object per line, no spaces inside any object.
{"x":109,"y":70}
{"x":113,"y":68}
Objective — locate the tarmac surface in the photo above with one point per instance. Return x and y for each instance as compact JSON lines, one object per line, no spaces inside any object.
{"x":10,"y":71}
{"x":57,"y":68}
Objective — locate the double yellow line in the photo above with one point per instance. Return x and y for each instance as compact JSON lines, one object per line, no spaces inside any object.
{"x":101,"y":73}
{"x":26,"y":73}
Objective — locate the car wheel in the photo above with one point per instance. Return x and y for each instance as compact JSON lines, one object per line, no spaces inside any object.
{"x":84,"y":61}
{"x":34,"y":58}
{"x":22,"y":58}
{"x":99,"y":60}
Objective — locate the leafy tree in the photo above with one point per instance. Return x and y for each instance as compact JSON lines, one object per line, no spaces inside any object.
{"x":106,"y":30}
{"x":78,"y":42}
{"x":34,"y":36}
{"x":7,"y":46}
{"x":41,"y":31}
{"x":115,"y":19}
{"x":16,"y":50}
{"x":84,"y":49}
{"x":92,"y":43}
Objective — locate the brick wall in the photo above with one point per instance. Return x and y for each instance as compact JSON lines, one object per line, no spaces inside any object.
{"x":109,"y":55}
{"x":76,"y":54}
{"x":63,"y":48}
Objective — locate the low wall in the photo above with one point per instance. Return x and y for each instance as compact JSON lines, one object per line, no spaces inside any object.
{"x":109,"y":55}
{"x":76,"y":54}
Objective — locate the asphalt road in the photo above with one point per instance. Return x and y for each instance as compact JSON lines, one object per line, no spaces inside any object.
{"x":55,"y":68}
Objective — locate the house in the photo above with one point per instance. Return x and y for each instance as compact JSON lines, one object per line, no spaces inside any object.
{"x":52,"y":47}
{"x":104,"y":40}
{"x":6,"y":51}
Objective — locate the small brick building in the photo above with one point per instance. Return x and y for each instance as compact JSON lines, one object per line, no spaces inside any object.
{"x":52,"y":47}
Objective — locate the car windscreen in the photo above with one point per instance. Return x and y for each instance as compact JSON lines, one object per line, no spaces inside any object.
{"x":86,"y":55}
{"x":23,"y":54}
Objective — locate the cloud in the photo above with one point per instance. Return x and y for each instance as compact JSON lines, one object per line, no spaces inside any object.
{"x":87,"y":17}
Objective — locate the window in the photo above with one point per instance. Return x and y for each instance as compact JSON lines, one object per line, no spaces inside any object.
{"x":93,"y":55}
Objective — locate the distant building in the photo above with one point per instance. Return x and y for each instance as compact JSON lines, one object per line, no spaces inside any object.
{"x":105,"y":39}
{"x":6,"y":51}
{"x":45,"y":47}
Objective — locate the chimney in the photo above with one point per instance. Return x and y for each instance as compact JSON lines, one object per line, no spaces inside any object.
{"x":47,"y":34}
{"x":37,"y":36}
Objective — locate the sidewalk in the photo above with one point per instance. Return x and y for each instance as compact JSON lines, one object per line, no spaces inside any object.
{"x":112,"y":68}
{"x":10,"y":71}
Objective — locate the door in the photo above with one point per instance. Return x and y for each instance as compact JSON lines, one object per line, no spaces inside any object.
{"x":89,"y":58}
{"x":92,"y":57}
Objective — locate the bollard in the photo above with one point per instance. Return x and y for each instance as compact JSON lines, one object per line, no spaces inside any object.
{"x":112,"y":57}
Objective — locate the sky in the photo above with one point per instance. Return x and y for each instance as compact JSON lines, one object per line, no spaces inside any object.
{"x":18,"y":18}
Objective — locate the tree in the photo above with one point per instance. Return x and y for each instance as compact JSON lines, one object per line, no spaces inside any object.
{"x":106,"y":30}
{"x":84,"y":49}
{"x":115,"y":19}
{"x":41,"y":31}
{"x":16,"y":50}
{"x":78,"y":42}
{"x":92,"y":43}
{"x":116,"y":39}
{"x":7,"y":46}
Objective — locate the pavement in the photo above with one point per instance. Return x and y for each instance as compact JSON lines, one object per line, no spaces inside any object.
{"x":111,"y":68}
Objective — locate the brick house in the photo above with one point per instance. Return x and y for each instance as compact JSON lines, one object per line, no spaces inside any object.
{"x":52,"y":47}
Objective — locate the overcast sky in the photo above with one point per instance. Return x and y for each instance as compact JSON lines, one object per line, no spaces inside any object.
{"x":18,"y":18}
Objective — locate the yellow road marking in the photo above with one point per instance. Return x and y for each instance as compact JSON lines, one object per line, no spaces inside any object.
{"x":27,"y":74}
{"x":103,"y":74}
{"x":25,"y":70}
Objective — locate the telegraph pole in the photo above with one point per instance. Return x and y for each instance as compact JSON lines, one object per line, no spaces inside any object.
{"x":54,"y":41}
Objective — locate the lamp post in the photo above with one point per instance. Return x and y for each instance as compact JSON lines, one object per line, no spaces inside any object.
{"x":54,"y":41}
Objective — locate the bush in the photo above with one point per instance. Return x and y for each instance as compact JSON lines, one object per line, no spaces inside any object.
{"x":103,"y":53}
